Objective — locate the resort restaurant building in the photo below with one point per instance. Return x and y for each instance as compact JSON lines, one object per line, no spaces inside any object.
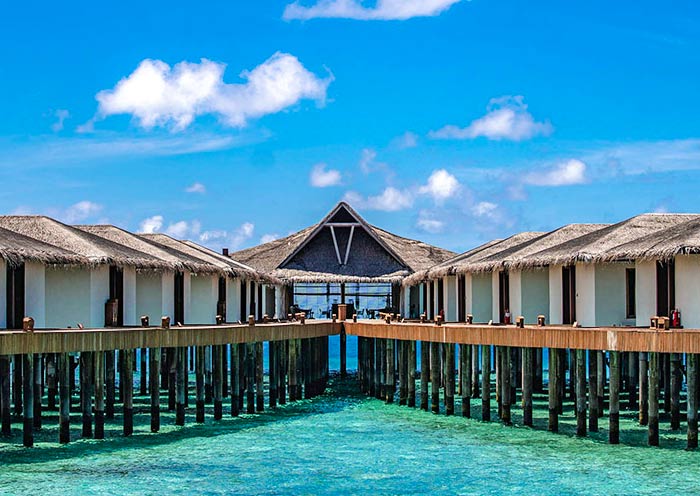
{"x":343,"y":260}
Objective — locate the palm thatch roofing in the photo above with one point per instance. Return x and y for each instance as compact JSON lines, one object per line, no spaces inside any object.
{"x":16,"y":249}
{"x":466,"y":262}
{"x":176,"y":259}
{"x":343,"y":247}
{"x":679,"y":239}
{"x":241,"y":269}
{"x":94,"y":250}
{"x":185,"y":249}
{"x":600,"y":244}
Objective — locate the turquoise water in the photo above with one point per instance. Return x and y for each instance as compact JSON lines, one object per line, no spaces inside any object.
{"x":344,"y":443}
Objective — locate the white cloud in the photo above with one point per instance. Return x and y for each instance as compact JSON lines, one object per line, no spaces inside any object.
{"x":228,"y":239}
{"x":81,"y":211}
{"x":183,"y":229}
{"x":441,"y":186}
{"x":322,"y":178}
{"x":367,"y":159}
{"x":426,"y":222}
{"x":353,"y":9}
{"x":407,"y":140}
{"x":266,"y":238}
{"x":159,"y":95}
{"x":507,"y":119}
{"x":484,"y":209}
{"x":196,"y":188}
{"x":390,"y":200}
{"x":562,"y":174}
{"x":61,"y":115}
{"x":151,"y":225}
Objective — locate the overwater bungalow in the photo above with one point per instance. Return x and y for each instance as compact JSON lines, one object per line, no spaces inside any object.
{"x":343,"y":260}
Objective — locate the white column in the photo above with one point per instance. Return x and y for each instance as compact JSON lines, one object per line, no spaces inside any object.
{"x":468,"y":294}
{"x":167,"y":296}
{"x":99,"y":294}
{"x":515,"y":294}
{"x":187,"y":287}
{"x":688,"y":290}
{"x":555,"y":295}
{"x":451,"y":298}
{"x":35,"y":293}
{"x":495,"y":298}
{"x":645,"y":288}
{"x":585,"y":294}
{"x":233,"y":299}
{"x":3,"y":294}
{"x":130,"y":317}
{"x":279,"y":311}
{"x":264,"y":300}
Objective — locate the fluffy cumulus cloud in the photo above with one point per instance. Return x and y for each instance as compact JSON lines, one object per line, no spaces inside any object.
{"x":181,"y":229}
{"x":353,"y":9}
{"x":156,"y":94}
{"x":81,"y":211}
{"x":507,"y":118}
{"x":428,"y":223}
{"x":563,"y":174}
{"x":151,"y":225}
{"x":321,"y":177}
{"x":485,"y":209}
{"x":228,"y":239}
{"x":196,"y":188}
{"x":389,"y":200}
{"x":441,"y":186}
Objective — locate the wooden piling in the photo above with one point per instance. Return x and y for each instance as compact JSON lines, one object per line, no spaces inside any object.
{"x":411,"y":400}
{"x":5,"y":409}
{"x":292,"y":372}
{"x":692,"y":377}
{"x":217,"y":379}
{"x":485,"y":382}
{"x":343,"y":353}
{"x":154,"y":358}
{"x":435,"y":377}
{"x":64,"y":390}
{"x":28,"y":405}
{"x":99,"y":364}
{"x":259,"y":377}
{"x":615,"y":371}
{"x":676,"y":379}
{"x":653,"y":436}
{"x":143,"y":372}
{"x":235,"y":381}
{"x":390,"y":378}
{"x":297,"y":365}
{"x":86,"y":385}
{"x":528,"y":359}
{"x":403,"y":371}
{"x":643,"y":388}
{"x":180,"y":384}
{"x":475,"y":371}
{"x":17,"y":365}
{"x":581,"y":428}
{"x":424,"y":374}
{"x":51,"y":381}
{"x":38,"y":386}
{"x":126,"y":380}
{"x":110,"y":379}
{"x":449,"y":378}
{"x":272,"y":363}
{"x":602,"y":380}
{"x":593,"y":391}
{"x":553,"y":390}
{"x":506,"y":385}
{"x":465,"y":386}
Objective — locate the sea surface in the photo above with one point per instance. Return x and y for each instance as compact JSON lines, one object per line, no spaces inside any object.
{"x":345,"y":443}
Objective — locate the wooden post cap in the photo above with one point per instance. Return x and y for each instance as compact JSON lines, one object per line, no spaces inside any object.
{"x":540,"y":320}
{"x":354,"y":317}
{"x":520,"y":321}
{"x":28,"y":324}
{"x":438,"y":320}
{"x":251,"y":320}
{"x":470,"y":318}
{"x":219,"y":319}
{"x":145,"y":321}
{"x":423,"y":318}
{"x":165,"y":322}
{"x":266,"y":319}
{"x":654,"y":322}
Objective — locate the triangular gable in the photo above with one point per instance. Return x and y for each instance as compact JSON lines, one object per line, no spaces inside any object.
{"x":345,"y":227}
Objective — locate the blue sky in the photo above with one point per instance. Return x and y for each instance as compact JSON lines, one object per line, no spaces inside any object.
{"x":445,"y":120}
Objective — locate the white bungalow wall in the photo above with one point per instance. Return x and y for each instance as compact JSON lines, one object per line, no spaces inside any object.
{"x":482,"y":297}
{"x":495,"y":313}
{"x":233,"y":299}
{"x":167,"y":295}
{"x":131,"y":317}
{"x":3,"y":294}
{"x":35,"y":293}
{"x":99,"y":294}
{"x":203,"y":295}
{"x":450,"y":298}
{"x":555,"y":295}
{"x":611,"y":295}
{"x":645,"y":288}
{"x":515,"y":294}
{"x":149,"y":297}
{"x":67,"y":297}
{"x":468,"y":294}
{"x":585,"y":294}
{"x":534,"y":291}
{"x":687,"y":290}
{"x":279,"y":303}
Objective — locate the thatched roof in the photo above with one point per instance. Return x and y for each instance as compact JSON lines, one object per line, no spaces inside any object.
{"x":679,"y":239}
{"x":515,"y":257}
{"x":176,"y":259}
{"x":223,"y":265}
{"x":94,"y":249}
{"x":16,"y":248}
{"x":598,"y":244}
{"x":312,"y":254}
{"x":241,"y":269}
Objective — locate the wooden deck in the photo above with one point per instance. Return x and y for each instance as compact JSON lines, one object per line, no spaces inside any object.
{"x":585,"y":338}
{"x":74,"y":340}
